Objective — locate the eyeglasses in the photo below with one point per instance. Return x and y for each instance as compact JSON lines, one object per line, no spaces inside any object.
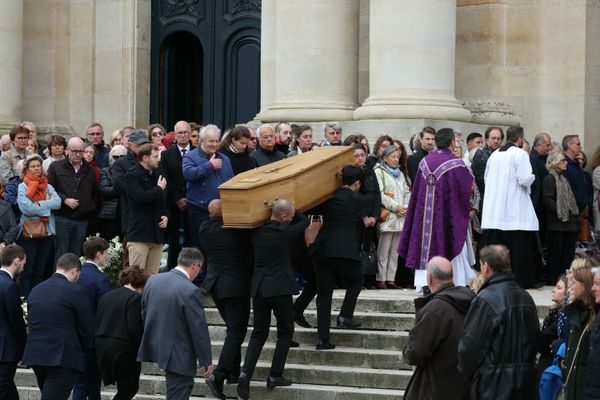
{"x":76,"y":151}
{"x":158,"y":133}
{"x":253,"y":139}
{"x":116,"y":157}
{"x":96,"y":134}
{"x":22,"y":138}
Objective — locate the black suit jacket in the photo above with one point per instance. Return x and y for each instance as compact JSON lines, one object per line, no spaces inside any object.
{"x":61,"y":327}
{"x":337,"y":238}
{"x":273,"y":273}
{"x":413,"y":163}
{"x":229,"y":258}
{"x":170,"y":168}
{"x":12,"y":325}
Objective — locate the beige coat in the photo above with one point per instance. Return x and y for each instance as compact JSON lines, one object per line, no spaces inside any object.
{"x":401,"y":196}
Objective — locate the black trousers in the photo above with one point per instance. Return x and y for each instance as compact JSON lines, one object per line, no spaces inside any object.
{"x":8,"y":389}
{"x":89,"y":381}
{"x":127,"y":376}
{"x":327,"y":271}
{"x":55,"y":383}
{"x":235,"y":311}
{"x":177,"y":220}
{"x":561,"y":251}
{"x":523,"y":253}
{"x":282,"y":307}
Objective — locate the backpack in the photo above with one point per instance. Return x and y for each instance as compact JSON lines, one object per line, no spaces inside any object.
{"x":552,"y":377}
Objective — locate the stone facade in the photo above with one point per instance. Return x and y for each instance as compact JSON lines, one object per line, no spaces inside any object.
{"x":66,"y":63}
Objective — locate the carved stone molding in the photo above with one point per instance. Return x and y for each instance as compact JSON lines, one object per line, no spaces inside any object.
{"x":246,"y":6}
{"x":492,"y":111}
{"x":192,"y":11}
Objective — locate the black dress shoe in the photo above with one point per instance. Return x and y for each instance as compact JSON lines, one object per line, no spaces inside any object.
{"x":325,"y":345}
{"x":347,"y":323}
{"x":300,"y":320}
{"x":243,"y":387}
{"x":216,"y":387}
{"x":232,"y":379}
{"x":274,"y":381}
{"x":293,"y":343}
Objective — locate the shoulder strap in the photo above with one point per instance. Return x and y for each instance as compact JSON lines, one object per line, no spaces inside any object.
{"x":576,"y":353}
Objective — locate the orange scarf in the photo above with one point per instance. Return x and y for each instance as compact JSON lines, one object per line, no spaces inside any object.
{"x":36,"y":187}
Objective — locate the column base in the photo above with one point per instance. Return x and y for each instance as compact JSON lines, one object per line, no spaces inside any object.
{"x":307,"y":112}
{"x":450,"y":110}
{"x":492,"y":111}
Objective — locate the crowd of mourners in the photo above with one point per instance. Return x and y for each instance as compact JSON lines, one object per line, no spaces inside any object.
{"x":468,"y":221}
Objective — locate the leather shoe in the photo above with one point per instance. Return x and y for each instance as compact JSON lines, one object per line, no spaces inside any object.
{"x":216,"y":387}
{"x":274,"y":381}
{"x":346,"y":323}
{"x":381,"y":285}
{"x":293,"y":343}
{"x":325,"y":345}
{"x":243,"y":387}
{"x":232,"y":379}
{"x":391,"y":285}
{"x":300,"y":320}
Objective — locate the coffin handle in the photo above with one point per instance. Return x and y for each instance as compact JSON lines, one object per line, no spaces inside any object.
{"x":270,"y":203}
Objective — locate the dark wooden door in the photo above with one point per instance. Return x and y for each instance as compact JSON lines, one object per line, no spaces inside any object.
{"x":205,"y":57}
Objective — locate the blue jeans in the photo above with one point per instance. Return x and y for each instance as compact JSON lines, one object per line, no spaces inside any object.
{"x":70,"y":235}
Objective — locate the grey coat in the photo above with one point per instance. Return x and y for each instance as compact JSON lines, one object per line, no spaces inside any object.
{"x":175,"y":330}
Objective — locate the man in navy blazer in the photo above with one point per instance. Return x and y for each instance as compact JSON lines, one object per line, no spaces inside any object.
{"x":61,"y":328}
{"x":175,"y":330}
{"x":96,"y":284}
{"x":12,"y":324}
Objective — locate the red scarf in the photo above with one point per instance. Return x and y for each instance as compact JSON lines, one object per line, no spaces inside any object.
{"x":36,"y":187}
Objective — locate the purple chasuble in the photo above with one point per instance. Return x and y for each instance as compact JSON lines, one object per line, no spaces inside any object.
{"x":438,"y":213}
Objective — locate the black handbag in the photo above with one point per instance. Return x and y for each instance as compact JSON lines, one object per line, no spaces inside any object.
{"x":368,"y":257}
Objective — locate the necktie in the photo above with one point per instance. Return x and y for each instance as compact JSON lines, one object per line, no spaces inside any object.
{"x":183,"y":151}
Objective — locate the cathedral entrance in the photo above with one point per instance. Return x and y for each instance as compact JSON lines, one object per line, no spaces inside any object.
{"x":205,"y":61}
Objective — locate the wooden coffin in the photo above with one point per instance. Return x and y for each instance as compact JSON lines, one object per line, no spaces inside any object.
{"x":306,"y":180}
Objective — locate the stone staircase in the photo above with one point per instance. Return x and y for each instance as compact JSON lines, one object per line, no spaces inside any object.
{"x":366,"y":364}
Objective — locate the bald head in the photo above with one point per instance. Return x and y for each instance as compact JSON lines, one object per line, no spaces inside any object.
{"x":75,"y":150}
{"x":182,"y":125}
{"x":439,"y":273}
{"x":214,"y":208}
{"x":282,"y":211}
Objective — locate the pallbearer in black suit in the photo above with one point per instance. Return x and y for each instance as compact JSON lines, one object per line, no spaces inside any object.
{"x":12,"y":325}
{"x":229,"y":258}
{"x":273,"y":285}
{"x":119,"y":329}
{"x":336,"y":254}
{"x":61,"y":328}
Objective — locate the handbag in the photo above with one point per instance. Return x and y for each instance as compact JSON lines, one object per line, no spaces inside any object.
{"x":368,"y":258}
{"x":312,"y":230}
{"x":34,"y":229}
{"x":562,"y":391}
{"x":585,"y":233}
{"x":385,"y":213}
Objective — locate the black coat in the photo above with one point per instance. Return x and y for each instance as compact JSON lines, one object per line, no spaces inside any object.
{"x":413,"y":163}
{"x":549,"y":198}
{"x":580,"y":315}
{"x":9,"y":229}
{"x":370,"y":187}
{"x":337,"y":238}
{"x":69,"y":184}
{"x":12,"y":325}
{"x":146,"y":202}
{"x":240,"y":162}
{"x":119,"y":329}
{"x":229,"y":258}
{"x":110,"y":198}
{"x":61,"y":327}
{"x":119,"y":170}
{"x":262,"y":157}
{"x":538,"y":166}
{"x":498,"y":346}
{"x":592,"y":386}
{"x":271,"y":243}
{"x":433,"y":342}
{"x":480,"y":159}
{"x":170,"y":168}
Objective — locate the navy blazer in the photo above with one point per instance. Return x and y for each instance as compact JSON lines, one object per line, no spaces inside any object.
{"x":95,"y":283}
{"x":175,"y":330}
{"x":12,"y":325}
{"x":61,"y":327}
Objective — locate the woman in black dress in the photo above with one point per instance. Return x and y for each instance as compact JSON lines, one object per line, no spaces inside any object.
{"x":119,"y":329}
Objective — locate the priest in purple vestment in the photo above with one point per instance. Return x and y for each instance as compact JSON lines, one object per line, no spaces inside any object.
{"x":437,"y":218}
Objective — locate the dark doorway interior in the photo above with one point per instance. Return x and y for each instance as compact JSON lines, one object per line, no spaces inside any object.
{"x":181,"y":79}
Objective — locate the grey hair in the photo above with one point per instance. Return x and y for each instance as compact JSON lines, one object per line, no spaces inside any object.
{"x":596,"y":272}
{"x":189,"y":256}
{"x":112,"y":152}
{"x":206,"y":128}
{"x":539,"y":138}
{"x":278,"y":126}
{"x":263,"y":127}
{"x":567,"y":140}
{"x":27,"y":123}
{"x":553,"y":160}
{"x":334,"y":125}
{"x":437,"y":272}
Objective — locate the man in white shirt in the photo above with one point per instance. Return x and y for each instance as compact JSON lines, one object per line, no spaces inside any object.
{"x":508,"y":213}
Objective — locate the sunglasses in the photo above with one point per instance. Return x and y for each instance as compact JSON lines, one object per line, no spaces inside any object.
{"x":116,"y":157}
{"x":158,"y":133}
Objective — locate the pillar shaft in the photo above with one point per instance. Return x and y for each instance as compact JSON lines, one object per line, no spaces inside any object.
{"x":316,"y":58}
{"x":412,"y":55}
{"x":11,"y":62}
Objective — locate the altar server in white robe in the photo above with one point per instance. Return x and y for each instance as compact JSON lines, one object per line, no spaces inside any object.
{"x":508,"y":215}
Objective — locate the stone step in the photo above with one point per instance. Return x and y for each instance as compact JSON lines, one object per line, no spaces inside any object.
{"x":366,"y":339}
{"x":153,"y":387}
{"x":323,"y":375}
{"x":369,"y":320}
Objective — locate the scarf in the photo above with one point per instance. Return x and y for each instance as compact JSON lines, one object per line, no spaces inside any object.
{"x":234,"y":150}
{"x":394,"y":171}
{"x":36,"y":187}
{"x":565,"y":200}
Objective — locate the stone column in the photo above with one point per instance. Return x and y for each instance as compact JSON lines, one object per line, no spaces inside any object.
{"x":268,"y":41}
{"x":11,"y":62}
{"x":316,"y":58}
{"x":412,"y":52}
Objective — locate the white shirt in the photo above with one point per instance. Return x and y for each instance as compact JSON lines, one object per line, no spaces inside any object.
{"x":8,"y":272}
{"x":93,"y":263}
{"x":186,"y":148}
{"x":506,"y":202}
{"x":178,"y":268}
